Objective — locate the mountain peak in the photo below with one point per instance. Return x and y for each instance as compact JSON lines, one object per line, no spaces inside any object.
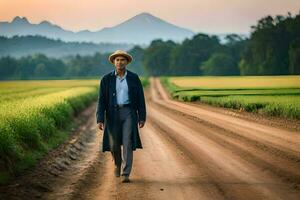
{"x":45,"y":23}
{"x":142,"y":19}
{"x":20,"y":20}
{"x":145,"y":14}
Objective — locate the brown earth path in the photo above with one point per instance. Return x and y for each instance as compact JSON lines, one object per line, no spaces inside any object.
{"x":195,"y":153}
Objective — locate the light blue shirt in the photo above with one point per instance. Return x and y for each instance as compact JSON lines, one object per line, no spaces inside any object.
{"x":122,"y":89}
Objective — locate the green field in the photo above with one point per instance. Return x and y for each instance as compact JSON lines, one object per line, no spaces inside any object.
{"x":34,"y":117}
{"x":269,"y":95}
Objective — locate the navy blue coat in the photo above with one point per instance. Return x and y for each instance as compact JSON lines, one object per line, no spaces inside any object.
{"x":106,"y":108}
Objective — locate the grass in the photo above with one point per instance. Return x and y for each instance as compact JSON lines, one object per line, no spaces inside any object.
{"x":145,"y":81}
{"x":34,"y":117}
{"x":268,"y":95}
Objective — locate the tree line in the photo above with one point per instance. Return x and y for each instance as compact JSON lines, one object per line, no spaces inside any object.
{"x":274,"y":47}
{"x":39,"y":66}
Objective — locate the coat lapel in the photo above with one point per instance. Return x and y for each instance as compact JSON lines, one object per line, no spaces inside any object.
{"x":112,"y":86}
{"x":130,"y":83}
{"x":128,"y":80}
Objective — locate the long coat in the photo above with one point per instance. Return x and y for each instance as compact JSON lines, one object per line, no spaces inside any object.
{"x":106,"y":109}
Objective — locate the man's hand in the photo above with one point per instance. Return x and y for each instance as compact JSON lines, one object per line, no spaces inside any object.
{"x":141,"y":124}
{"x":100,"y":125}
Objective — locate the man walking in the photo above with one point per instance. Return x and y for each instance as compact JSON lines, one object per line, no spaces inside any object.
{"x":121,"y":109}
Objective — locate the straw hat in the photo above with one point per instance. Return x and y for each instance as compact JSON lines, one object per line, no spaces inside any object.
{"x":120,"y":53}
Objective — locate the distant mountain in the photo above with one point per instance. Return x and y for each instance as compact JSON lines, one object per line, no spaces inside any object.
{"x":140,"y":29}
{"x":22,"y":27}
{"x":18,"y":46}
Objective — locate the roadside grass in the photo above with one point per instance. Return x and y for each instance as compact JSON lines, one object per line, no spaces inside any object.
{"x":266,"y":98}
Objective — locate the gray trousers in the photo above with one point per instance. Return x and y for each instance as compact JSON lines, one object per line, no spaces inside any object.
{"x":124,"y":127}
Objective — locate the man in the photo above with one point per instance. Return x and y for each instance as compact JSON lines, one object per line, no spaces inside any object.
{"x":121,"y":108}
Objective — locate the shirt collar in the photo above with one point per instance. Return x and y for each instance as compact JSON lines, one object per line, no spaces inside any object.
{"x":124,"y":74}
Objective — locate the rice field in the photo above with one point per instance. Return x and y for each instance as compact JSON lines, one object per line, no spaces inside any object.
{"x":236,"y":82}
{"x":269,"y":95}
{"x":33,"y":117}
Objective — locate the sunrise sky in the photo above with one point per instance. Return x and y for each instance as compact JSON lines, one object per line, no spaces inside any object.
{"x":210,"y":16}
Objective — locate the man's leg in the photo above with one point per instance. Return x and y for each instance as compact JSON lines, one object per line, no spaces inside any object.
{"x":127,"y":143}
{"x":116,"y":147}
{"x":117,"y":160}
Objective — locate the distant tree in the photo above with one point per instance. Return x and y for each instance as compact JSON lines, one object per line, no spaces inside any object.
{"x":220,"y":64}
{"x":272,"y":48}
{"x":235,"y":46}
{"x":8,"y":66}
{"x":136,"y":66}
{"x":40,"y":70}
{"x":156,"y":59}
{"x":187,"y":57}
{"x":294,"y":57}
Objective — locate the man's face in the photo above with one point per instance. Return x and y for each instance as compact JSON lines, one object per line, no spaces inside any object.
{"x":120,"y":62}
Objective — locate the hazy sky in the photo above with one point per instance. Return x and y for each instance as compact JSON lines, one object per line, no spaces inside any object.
{"x":210,"y":16}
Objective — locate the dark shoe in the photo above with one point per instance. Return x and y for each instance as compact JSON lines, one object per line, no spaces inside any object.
{"x":125,"y":179}
{"x":117,"y":171}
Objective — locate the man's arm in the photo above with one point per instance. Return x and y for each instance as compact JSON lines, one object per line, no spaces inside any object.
{"x":101,"y":102}
{"x":141,"y":102}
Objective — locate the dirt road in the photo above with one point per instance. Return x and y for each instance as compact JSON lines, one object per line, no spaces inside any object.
{"x":192,"y":152}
